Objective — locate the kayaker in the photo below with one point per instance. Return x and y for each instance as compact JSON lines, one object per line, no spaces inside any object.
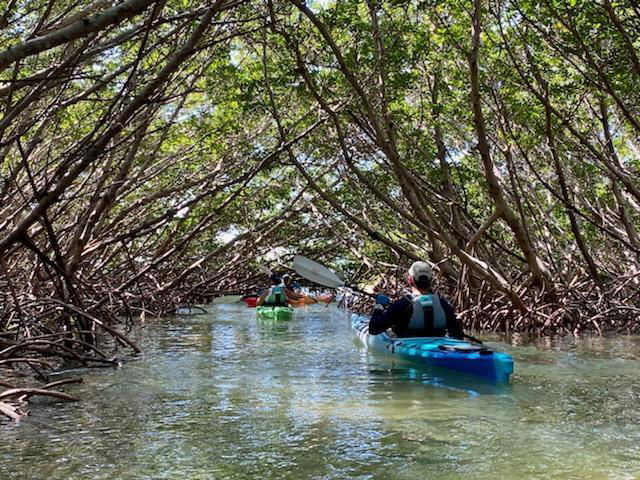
{"x":287,"y":282}
{"x":278,"y":295}
{"x":421,"y":313}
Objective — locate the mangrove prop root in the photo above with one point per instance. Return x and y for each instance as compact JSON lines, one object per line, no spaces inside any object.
{"x":29,"y":392}
{"x":11,"y":411}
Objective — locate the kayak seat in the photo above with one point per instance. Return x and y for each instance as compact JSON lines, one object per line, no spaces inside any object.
{"x":465,"y":349}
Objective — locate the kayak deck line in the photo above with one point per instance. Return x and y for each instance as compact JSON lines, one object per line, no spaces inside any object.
{"x":442,"y":352}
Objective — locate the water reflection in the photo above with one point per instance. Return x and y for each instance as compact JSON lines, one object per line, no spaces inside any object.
{"x":267,"y":326}
{"x":426,"y":379}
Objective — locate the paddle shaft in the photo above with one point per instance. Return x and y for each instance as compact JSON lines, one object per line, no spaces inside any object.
{"x":472,"y":338}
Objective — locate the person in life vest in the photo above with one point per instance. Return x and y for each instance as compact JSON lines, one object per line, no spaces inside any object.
{"x":287,"y":282}
{"x":278,"y":295}
{"x":422,"y":313}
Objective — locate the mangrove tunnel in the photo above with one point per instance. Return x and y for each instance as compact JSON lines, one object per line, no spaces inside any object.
{"x":157,"y":156}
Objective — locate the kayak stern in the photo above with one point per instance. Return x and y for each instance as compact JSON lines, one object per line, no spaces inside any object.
{"x":441,"y":352}
{"x":274,"y":313}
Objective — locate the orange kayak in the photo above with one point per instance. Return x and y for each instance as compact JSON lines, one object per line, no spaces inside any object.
{"x":310,"y":301}
{"x":302,"y":302}
{"x":328,"y":298}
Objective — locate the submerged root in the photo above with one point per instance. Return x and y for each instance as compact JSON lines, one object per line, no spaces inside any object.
{"x":13,"y":400}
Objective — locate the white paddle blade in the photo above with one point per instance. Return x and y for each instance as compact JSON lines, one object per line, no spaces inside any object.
{"x":315,"y":272}
{"x":226,"y":299}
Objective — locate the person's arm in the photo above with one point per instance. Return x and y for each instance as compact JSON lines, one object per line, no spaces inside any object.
{"x":327,"y":298}
{"x":394,"y":314}
{"x":291,"y":295}
{"x":262,"y":297}
{"x":454,"y":327}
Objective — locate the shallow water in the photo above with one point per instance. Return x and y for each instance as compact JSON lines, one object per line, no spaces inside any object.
{"x":222,"y":396}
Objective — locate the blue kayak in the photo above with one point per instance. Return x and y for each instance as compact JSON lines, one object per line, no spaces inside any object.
{"x":441,"y":352}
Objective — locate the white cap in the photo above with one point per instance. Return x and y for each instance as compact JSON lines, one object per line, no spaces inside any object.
{"x":419,"y":270}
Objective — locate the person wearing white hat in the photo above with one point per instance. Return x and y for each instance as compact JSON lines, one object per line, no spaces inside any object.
{"x":422,"y":313}
{"x":288,"y":283}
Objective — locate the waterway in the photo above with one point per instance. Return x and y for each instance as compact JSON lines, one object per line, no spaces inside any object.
{"x":222,"y":396}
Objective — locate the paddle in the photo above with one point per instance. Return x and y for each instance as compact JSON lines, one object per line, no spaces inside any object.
{"x":321,"y":275}
{"x":318,"y":273}
{"x":473,"y":339}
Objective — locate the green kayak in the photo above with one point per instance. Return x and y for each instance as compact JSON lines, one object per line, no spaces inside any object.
{"x":274,"y":313}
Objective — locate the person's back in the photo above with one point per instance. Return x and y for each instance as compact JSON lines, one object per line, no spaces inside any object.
{"x":275,"y":297}
{"x":420,"y":314}
{"x":278,"y":295}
